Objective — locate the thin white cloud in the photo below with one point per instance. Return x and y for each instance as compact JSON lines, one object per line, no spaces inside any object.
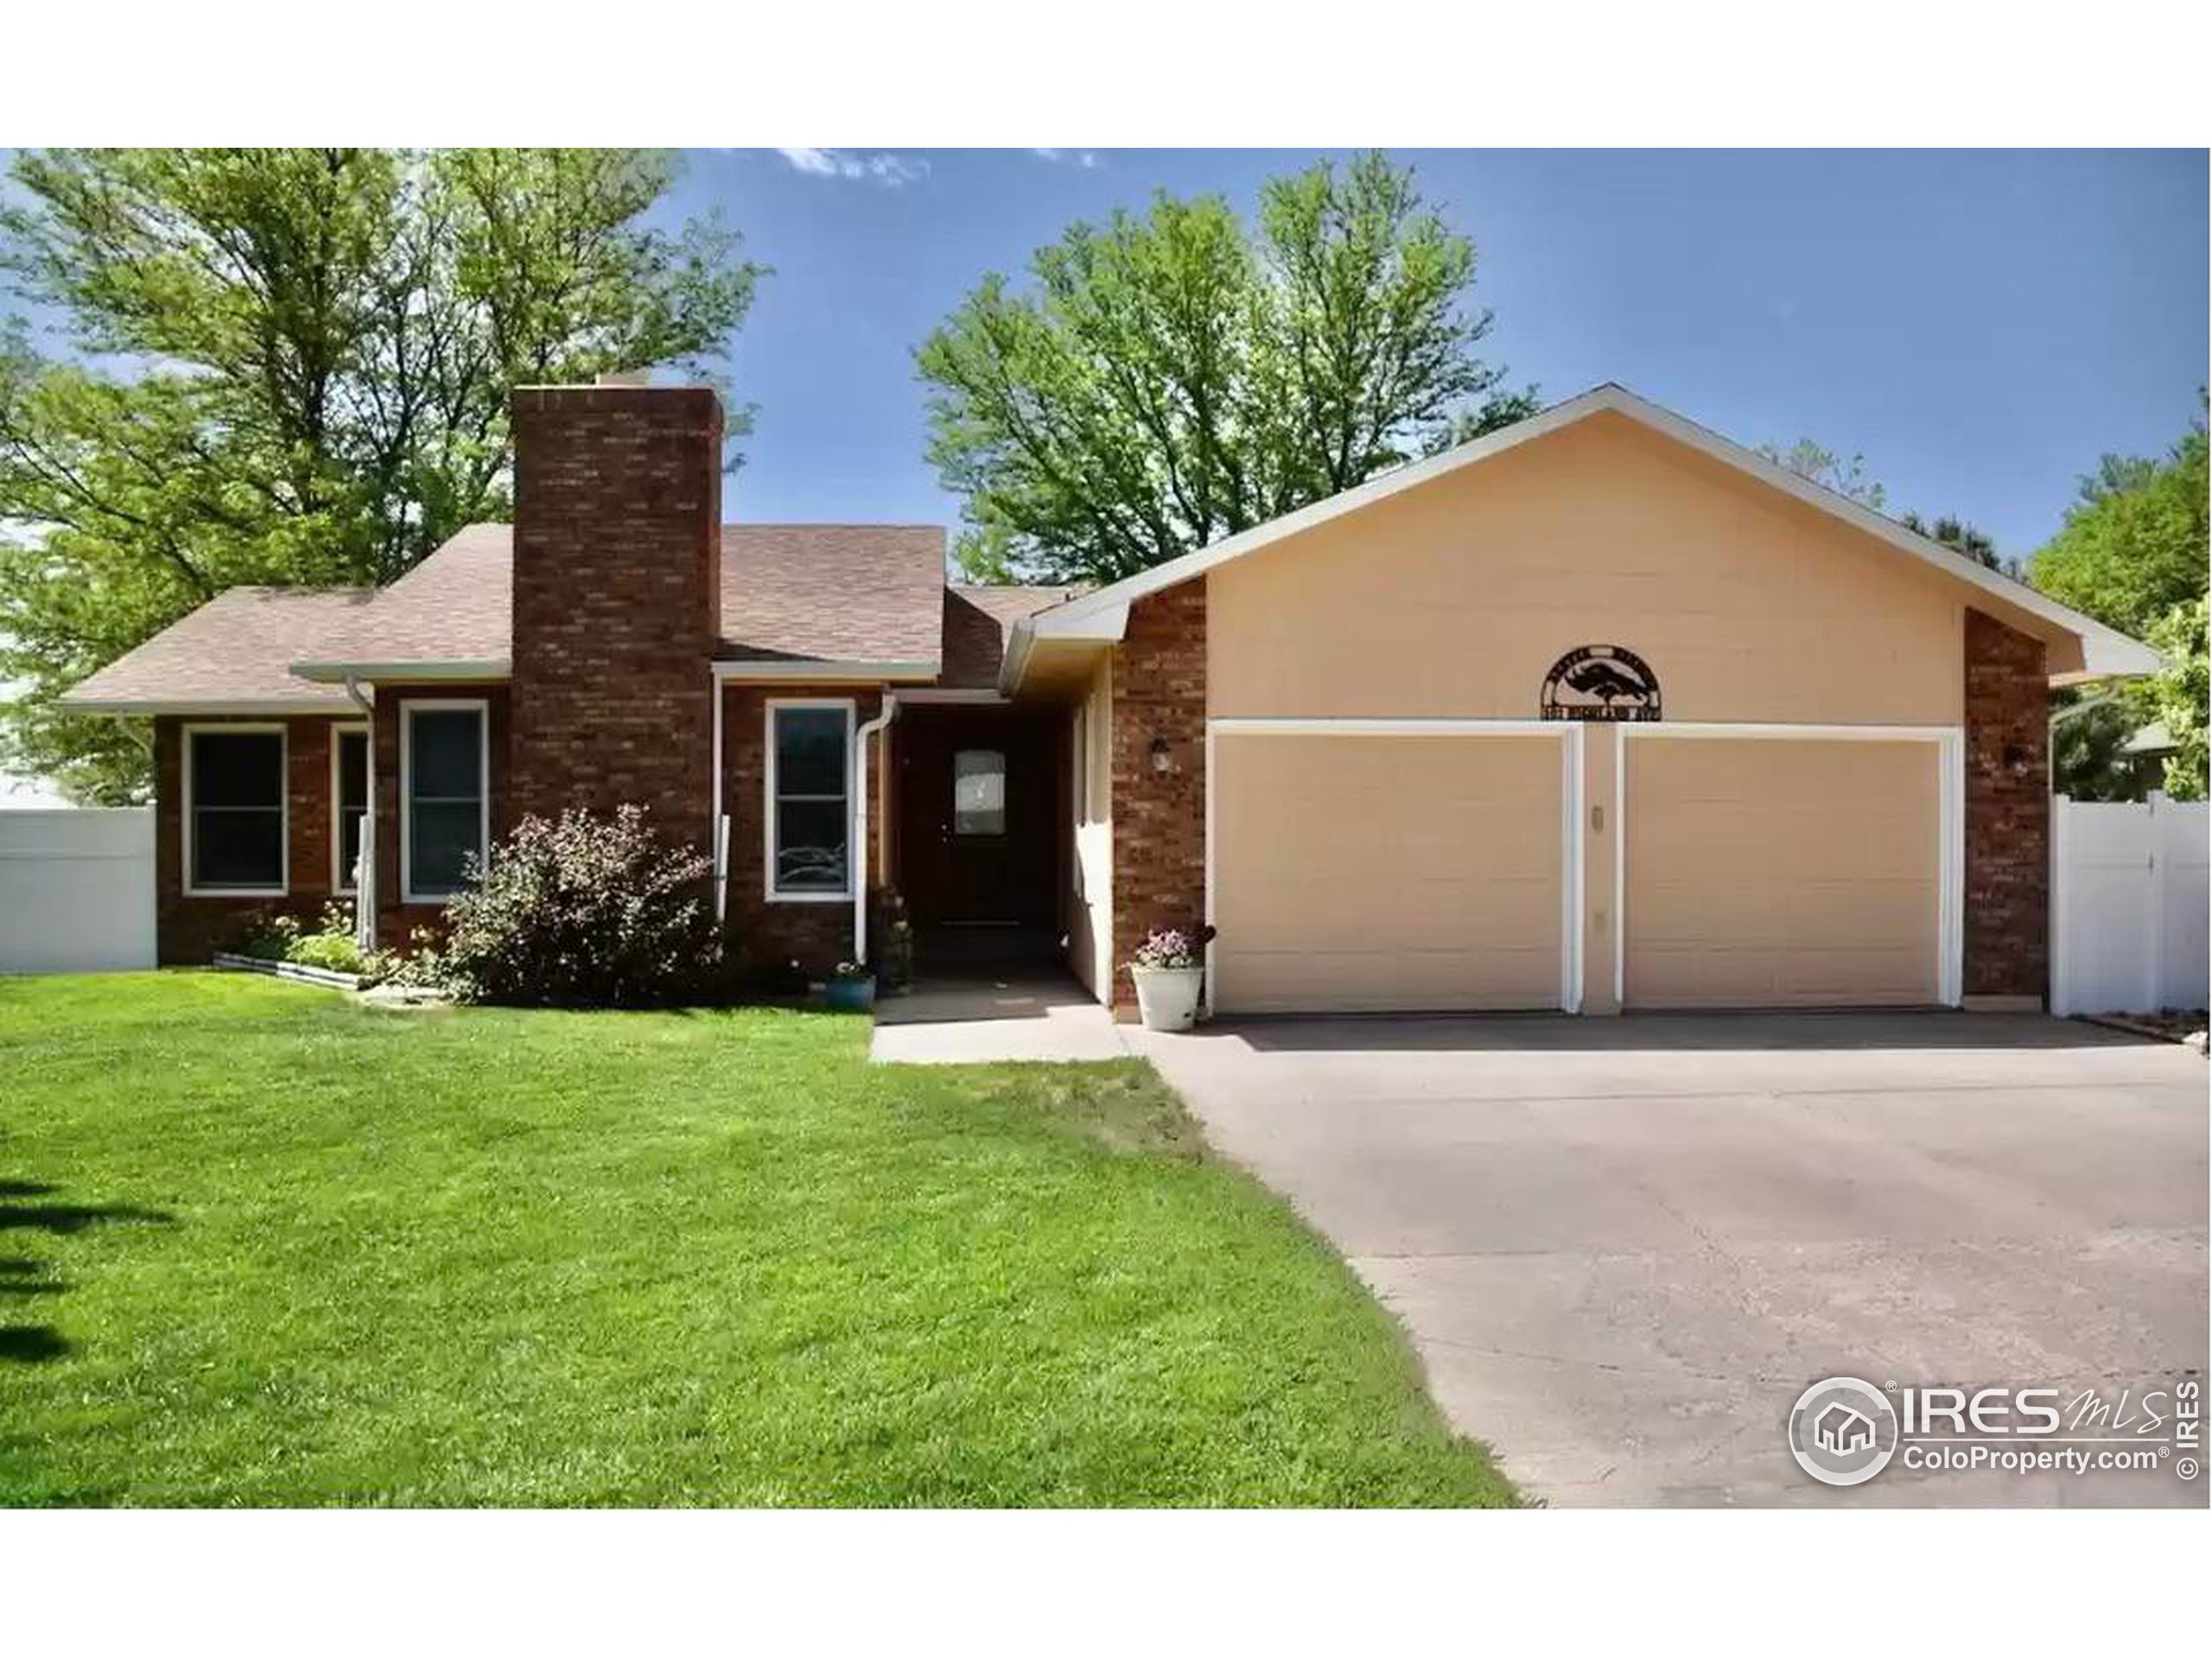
{"x":880,"y":166}
{"x":1082,"y":158}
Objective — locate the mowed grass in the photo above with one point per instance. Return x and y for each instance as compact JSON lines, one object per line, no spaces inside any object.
{"x":259,"y":1246}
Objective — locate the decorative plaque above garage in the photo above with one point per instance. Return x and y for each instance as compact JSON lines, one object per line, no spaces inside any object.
{"x":1601,"y":683}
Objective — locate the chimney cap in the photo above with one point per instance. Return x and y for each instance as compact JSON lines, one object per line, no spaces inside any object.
{"x":625,"y":377}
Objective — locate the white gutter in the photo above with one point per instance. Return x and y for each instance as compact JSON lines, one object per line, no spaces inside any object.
{"x":888,"y":713}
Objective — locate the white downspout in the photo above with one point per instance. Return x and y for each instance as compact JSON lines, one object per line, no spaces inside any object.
{"x":717,"y":819}
{"x":364,"y":879}
{"x":882,"y":721}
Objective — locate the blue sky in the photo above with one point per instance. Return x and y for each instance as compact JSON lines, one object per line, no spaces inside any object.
{"x":1981,"y":326}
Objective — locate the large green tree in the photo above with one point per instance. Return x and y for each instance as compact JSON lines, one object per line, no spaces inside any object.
{"x":2134,"y":553}
{"x":1170,"y":379}
{"x":292,"y":367}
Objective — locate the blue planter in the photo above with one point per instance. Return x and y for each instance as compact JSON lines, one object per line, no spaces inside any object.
{"x":850,"y":995}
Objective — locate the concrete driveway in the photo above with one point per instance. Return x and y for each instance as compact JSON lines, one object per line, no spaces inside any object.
{"x":1623,"y":1247}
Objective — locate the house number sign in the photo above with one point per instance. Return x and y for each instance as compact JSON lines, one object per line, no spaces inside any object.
{"x":1601,"y":683}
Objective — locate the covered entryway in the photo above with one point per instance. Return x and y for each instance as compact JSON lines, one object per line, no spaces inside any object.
{"x":1787,"y":867}
{"x":1401,"y":865}
{"x":978,"y":793}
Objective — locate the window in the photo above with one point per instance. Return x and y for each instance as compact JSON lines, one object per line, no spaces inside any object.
{"x":234,"y":808}
{"x":349,"y":797}
{"x":442,"y":767}
{"x":809,"y":814}
{"x":979,"y":793}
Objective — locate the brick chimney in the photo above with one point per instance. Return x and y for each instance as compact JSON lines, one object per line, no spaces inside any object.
{"x":617,"y":553}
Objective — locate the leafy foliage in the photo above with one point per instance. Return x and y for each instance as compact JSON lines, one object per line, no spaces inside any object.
{"x":2133,"y":546}
{"x":583,"y":911}
{"x":1823,"y":466}
{"x":1962,"y":537}
{"x":2178,"y":696}
{"x":2088,"y":748}
{"x":1178,"y":377}
{"x":292,"y":367}
{"x":2134,"y":553}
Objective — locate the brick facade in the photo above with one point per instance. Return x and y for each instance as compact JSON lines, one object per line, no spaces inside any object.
{"x":188,"y":929}
{"x":763,"y":933}
{"x":396,"y":919}
{"x":1159,"y":817}
{"x":617,"y":598}
{"x":2007,"y":812}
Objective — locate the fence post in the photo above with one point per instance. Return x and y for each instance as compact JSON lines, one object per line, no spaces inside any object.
{"x":2062,"y":986}
{"x":2154,"y":964}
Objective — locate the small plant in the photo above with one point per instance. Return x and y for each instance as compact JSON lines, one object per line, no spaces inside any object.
{"x":847,"y":973}
{"x":583,"y":911}
{"x":1171,"y":947}
{"x":269,"y":934}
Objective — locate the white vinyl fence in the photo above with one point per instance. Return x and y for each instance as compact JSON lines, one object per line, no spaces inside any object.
{"x":76,"y":890}
{"x":2128,"y":906}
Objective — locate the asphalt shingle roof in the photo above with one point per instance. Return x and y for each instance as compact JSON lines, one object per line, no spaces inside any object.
{"x":236,"y":649}
{"x":790,"y":593}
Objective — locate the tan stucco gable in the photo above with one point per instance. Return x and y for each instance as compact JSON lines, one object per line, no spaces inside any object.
{"x":1455,"y":600}
{"x":2079,"y":647}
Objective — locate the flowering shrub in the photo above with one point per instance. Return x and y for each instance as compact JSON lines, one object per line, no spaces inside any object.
{"x":581,"y":912}
{"x":1170,"y":947}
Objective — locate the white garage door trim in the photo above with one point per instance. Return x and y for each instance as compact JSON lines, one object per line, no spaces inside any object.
{"x":1572,"y":823}
{"x":1950,"y":826}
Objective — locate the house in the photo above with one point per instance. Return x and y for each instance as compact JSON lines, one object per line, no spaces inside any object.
{"x":1600,"y":711}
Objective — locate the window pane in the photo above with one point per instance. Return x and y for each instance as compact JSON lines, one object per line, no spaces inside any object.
{"x":444,"y":835}
{"x":237,"y":769}
{"x":353,"y":769}
{"x":811,"y":846}
{"x":234,"y":847}
{"x":979,"y":793}
{"x":445,"y":752}
{"x":810,"y":751}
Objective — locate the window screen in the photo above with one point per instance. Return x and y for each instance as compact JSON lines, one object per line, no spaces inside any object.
{"x":813,"y":829}
{"x":445,"y":798}
{"x":238,"y":811}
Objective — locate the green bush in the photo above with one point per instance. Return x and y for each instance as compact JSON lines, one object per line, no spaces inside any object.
{"x":583,"y":911}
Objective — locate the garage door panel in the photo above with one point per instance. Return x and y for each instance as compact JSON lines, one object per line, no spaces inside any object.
{"x":1771,"y":872}
{"x":1387,"y":872}
{"x":1400,"y":981}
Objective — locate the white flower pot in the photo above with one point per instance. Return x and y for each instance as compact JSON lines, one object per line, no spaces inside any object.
{"x":1167,"y":998}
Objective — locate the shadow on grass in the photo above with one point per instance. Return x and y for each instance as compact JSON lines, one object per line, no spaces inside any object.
{"x":31,"y":1344}
{"x":27,"y":1205}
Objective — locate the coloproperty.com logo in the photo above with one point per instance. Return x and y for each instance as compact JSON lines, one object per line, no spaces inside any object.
{"x":1844,"y":1431}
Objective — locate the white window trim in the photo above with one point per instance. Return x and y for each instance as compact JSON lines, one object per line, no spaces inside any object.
{"x":1569,"y":734}
{"x":408,"y":709}
{"x":341,"y":881}
{"x":1950,"y":825}
{"x":843,"y":895}
{"x":234,"y":728}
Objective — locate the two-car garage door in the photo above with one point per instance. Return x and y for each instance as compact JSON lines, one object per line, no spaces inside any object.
{"x":1364,"y":868}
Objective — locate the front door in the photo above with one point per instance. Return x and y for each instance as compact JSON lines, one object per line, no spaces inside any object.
{"x":977,"y":788}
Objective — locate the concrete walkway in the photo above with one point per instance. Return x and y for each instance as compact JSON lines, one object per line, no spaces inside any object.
{"x":1034,"y":1016}
{"x":1623,"y":1247}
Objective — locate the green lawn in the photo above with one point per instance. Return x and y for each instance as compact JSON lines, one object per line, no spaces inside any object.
{"x":259,"y":1246}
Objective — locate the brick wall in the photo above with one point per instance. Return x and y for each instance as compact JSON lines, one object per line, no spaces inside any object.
{"x":396,"y":919}
{"x":1159,"y":818}
{"x":763,"y":933}
{"x":189,"y":929}
{"x":2007,"y":811}
{"x":618,"y":511}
